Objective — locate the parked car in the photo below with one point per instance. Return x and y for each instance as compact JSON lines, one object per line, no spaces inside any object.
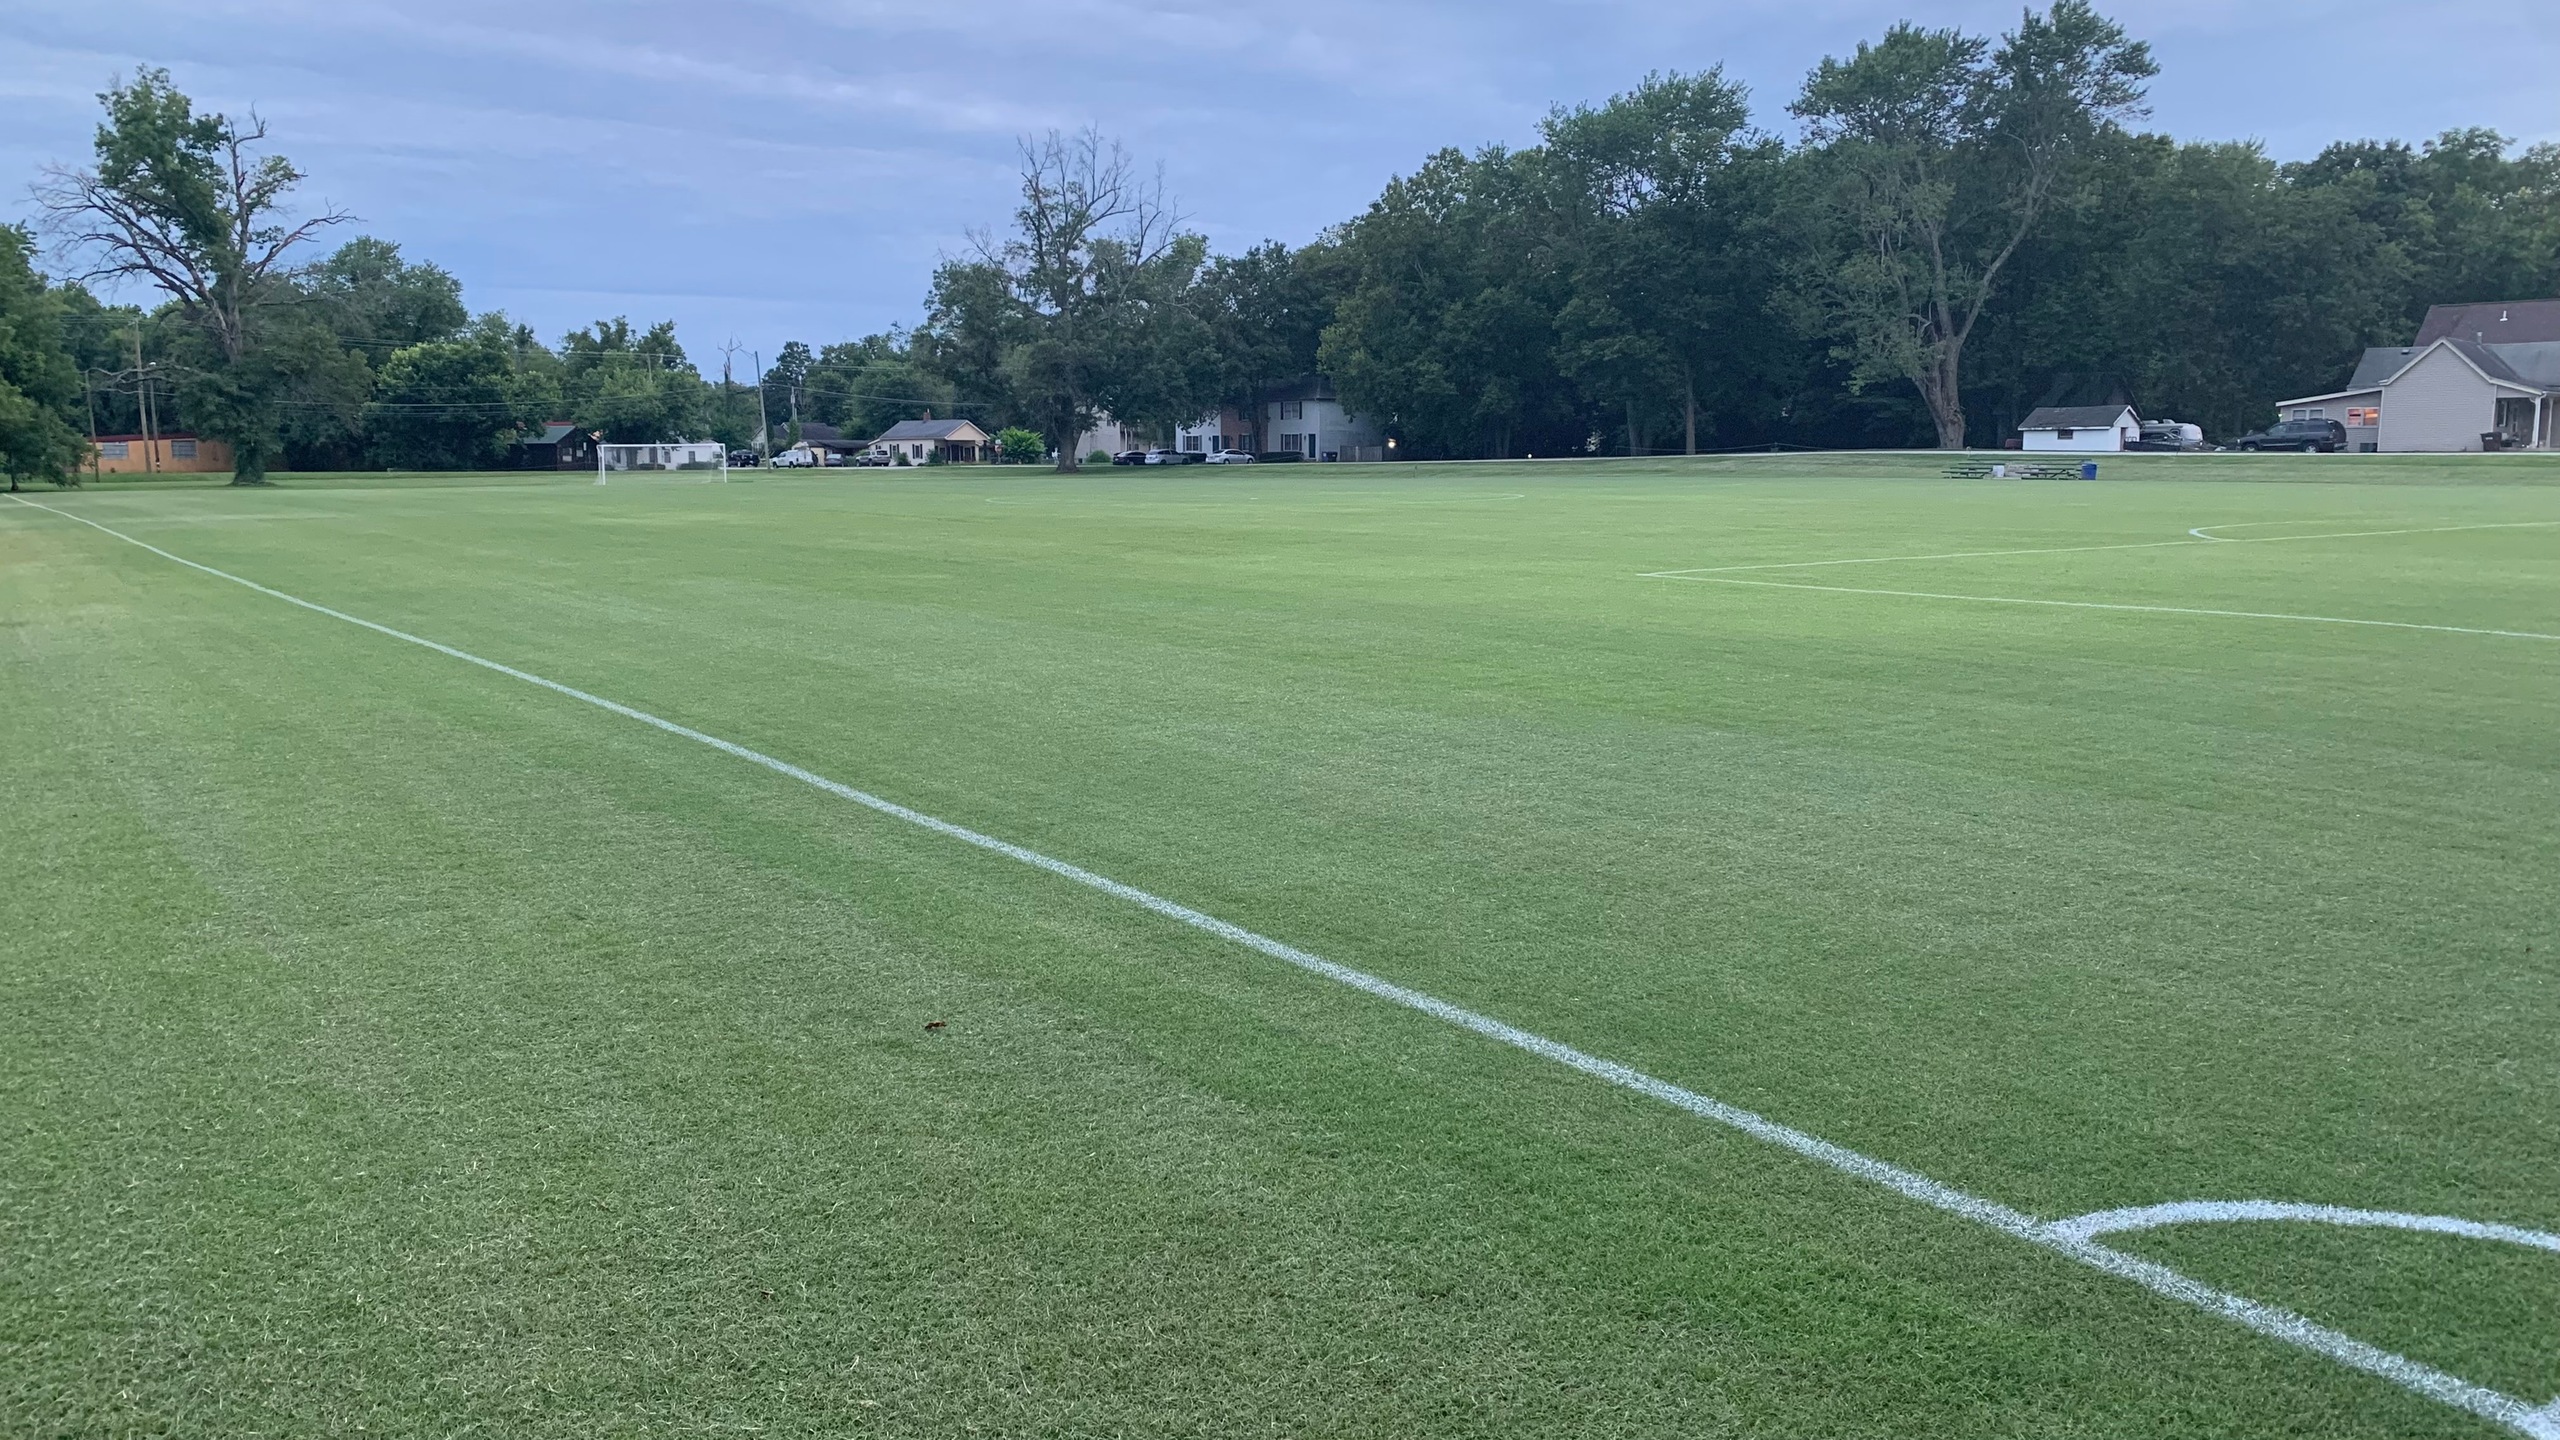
{"x":2303,"y":435}
{"x":2168,"y":435}
{"x":1229,"y":457}
{"x":742,"y":459}
{"x":793,"y":459}
{"x":1130,"y":457}
{"x":869,"y":461}
{"x":1162,"y":456}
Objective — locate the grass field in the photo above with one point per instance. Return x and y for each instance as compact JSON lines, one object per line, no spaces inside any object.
{"x":390,"y":1046}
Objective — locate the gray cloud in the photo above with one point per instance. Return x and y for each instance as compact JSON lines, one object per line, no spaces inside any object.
{"x":792,"y":168}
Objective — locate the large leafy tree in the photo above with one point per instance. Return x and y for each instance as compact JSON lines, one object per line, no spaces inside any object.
{"x":2468,"y":220}
{"x":865,"y":386}
{"x":1661,"y":196}
{"x":1938,"y":154}
{"x":39,"y":385}
{"x":454,"y":404}
{"x":1087,"y":308}
{"x":1447,"y":330}
{"x":186,"y":203}
{"x":2191,"y":278}
{"x":373,"y":299}
{"x":633,"y":387}
{"x":783,"y":383}
{"x":1266,"y":311}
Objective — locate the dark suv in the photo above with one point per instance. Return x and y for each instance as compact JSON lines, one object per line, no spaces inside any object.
{"x":2303,"y":435}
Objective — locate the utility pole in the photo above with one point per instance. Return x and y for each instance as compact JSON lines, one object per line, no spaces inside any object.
{"x":728,"y":392}
{"x":89,"y":393}
{"x":764,"y":427}
{"x":142,"y":389}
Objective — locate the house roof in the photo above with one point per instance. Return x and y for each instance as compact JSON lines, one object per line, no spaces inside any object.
{"x":2531,"y":366}
{"x":2351,"y":393}
{"x":2380,"y":363}
{"x":2492,"y":322}
{"x":2537,"y":361}
{"x":2487,"y":360}
{"x":2074,"y":417}
{"x":930,"y":430}
{"x":553,"y":432}
{"x":818,"y":432}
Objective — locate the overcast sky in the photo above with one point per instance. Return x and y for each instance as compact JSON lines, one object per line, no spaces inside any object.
{"x":783,"y":169}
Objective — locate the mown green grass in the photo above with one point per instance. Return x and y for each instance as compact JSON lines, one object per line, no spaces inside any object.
{"x":390,"y":1045}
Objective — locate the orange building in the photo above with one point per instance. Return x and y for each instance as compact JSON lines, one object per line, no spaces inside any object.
{"x":176,"y":454}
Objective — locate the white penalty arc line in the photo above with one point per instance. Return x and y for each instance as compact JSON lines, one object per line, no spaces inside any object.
{"x":2107,"y":605}
{"x":2275,"y":1322}
{"x":2200,"y":539}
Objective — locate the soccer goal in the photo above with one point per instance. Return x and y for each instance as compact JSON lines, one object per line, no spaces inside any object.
{"x":699,"y":455}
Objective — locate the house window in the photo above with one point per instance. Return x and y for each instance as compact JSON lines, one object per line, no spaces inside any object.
{"x":2062,"y":434}
{"x":2319,"y":412}
{"x":2364,"y":415}
{"x":1293,"y":409}
{"x":182,"y":449}
{"x":2300,"y":414}
{"x":115,"y":449}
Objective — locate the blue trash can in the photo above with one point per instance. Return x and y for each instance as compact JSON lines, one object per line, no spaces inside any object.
{"x":2088,"y":469}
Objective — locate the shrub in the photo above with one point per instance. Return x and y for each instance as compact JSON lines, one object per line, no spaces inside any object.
{"x":1098,"y":457}
{"x":1017,"y":446}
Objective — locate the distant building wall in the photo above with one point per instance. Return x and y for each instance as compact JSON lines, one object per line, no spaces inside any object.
{"x":1316,"y":429}
{"x":166,"y":454}
{"x":2438,"y":404}
{"x":2103,"y":439}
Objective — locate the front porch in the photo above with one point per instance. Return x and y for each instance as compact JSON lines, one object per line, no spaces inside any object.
{"x":2526,"y":422}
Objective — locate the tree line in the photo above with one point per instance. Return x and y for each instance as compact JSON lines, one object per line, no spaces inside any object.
{"x":1961,"y":228}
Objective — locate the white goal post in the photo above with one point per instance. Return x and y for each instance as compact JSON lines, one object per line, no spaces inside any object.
{"x":705,"y":455}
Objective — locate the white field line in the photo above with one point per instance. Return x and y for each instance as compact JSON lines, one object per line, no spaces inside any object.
{"x":2272,"y":1321}
{"x":2200,"y":539}
{"x":2105,"y":605}
{"x":2223,"y":1212}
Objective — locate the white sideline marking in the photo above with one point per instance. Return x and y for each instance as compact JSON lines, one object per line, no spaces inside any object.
{"x":2273,"y":1321}
{"x":2200,"y":539}
{"x":2104,"y":605}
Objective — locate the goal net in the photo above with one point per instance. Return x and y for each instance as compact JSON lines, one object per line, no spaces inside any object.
{"x":706,"y":456}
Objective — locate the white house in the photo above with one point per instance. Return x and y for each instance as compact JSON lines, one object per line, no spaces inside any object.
{"x":2474,"y":371}
{"x":2081,"y":429}
{"x":1303,"y":416}
{"x":918,"y":441}
{"x":1228,"y":429}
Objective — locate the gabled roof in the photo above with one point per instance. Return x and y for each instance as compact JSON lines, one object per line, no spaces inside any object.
{"x":553,"y":432}
{"x":2074,"y":417}
{"x":2492,"y":322}
{"x":2487,"y":360}
{"x":2380,"y":363}
{"x":930,"y":430}
{"x":2525,"y":367}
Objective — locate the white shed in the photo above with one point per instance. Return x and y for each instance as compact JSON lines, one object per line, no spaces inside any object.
{"x":2081,"y":428}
